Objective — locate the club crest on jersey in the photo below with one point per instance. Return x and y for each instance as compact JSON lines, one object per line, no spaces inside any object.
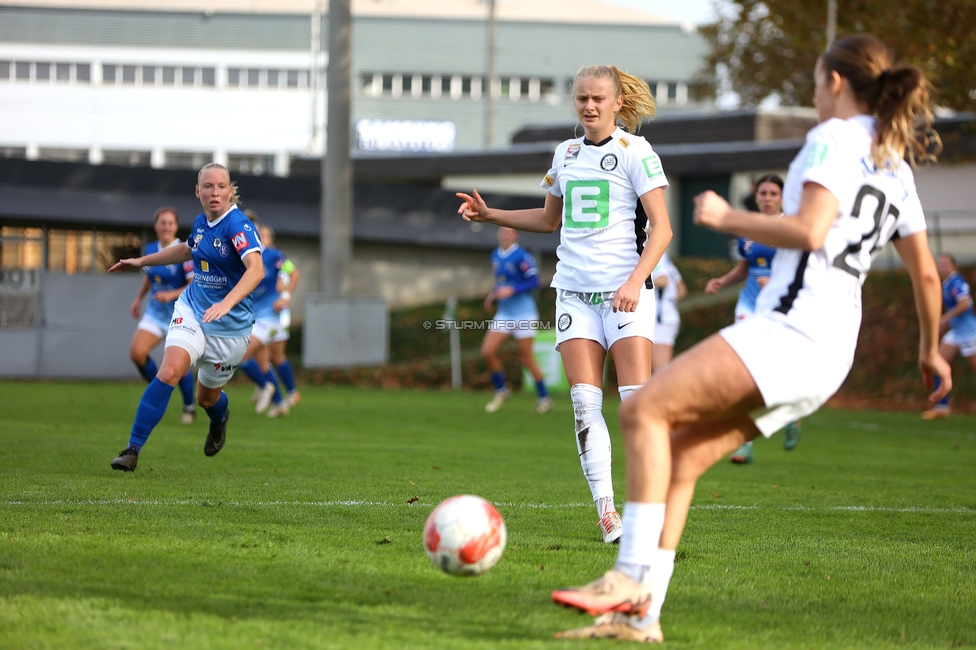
{"x":240,"y":241}
{"x":608,"y":163}
{"x":572,"y":153}
{"x":196,"y":241}
{"x":221,"y":247}
{"x":747,"y":246}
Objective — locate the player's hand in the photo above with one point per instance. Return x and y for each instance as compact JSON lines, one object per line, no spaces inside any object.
{"x":490,"y":298}
{"x":216,"y":312}
{"x":128,"y":263}
{"x":134,"y":308}
{"x":762,"y":281}
{"x":713,"y":286}
{"x":280,"y":304}
{"x":474,"y":207}
{"x":935,"y":365}
{"x":166,"y":296}
{"x":503,"y":292}
{"x":710,"y":210}
{"x":626,"y":297}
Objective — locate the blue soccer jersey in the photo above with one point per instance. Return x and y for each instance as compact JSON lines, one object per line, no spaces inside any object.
{"x":165,"y":278}
{"x":266,"y":293}
{"x":516,"y":268}
{"x":955,"y":289}
{"x":218,"y":252}
{"x":758,"y":257}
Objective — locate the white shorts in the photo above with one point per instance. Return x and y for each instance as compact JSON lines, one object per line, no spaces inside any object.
{"x":153,"y":326}
{"x":795,"y":376}
{"x":966,"y":347}
{"x":591,"y":316}
{"x":666,"y":333}
{"x":216,"y":357}
{"x":269,"y":331}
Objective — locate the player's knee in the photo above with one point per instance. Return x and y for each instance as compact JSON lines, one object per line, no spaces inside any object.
{"x":169,"y":375}
{"x":138,"y":355}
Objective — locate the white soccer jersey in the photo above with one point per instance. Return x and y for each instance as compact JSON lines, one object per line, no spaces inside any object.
{"x":667,"y":298}
{"x":819,"y":292}
{"x":603,"y":222}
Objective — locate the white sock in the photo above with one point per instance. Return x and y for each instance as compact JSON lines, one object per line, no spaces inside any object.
{"x":626,"y":391}
{"x":661,"y":570}
{"x":605,"y":505}
{"x":642,"y":523}
{"x":593,"y":440}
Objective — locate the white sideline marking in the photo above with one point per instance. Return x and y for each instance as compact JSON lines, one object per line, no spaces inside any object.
{"x":388,"y":504}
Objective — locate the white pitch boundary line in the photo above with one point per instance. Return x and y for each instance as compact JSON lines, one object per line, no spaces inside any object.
{"x":388,"y":504}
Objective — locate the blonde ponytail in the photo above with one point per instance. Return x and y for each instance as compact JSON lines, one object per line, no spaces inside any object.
{"x":638,"y":102}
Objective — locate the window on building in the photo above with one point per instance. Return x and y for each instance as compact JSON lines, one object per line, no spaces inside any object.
{"x":672,"y":91}
{"x":466,"y":86}
{"x":42,"y":71}
{"x":23,"y":70}
{"x":234,"y":77}
{"x":62,"y":155}
{"x":524,"y":86}
{"x":273,"y":78}
{"x":293,"y":78}
{"x":446,"y":85}
{"x":148,"y":75}
{"x":209,"y":76}
{"x":83,"y":73}
{"x":108,"y":73}
{"x":187,"y":159}
{"x":21,"y":248}
{"x":189,"y":75}
{"x":62,"y":71}
{"x":71,"y":251}
{"x":169,"y":75}
{"x":4,"y":69}
{"x":547,"y":88}
{"x":406,"y":85}
{"x":255,"y":164}
{"x":425,"y":84}
{"x":253,"y":77}
{"x":387,"y":84}
{"x":128,"y":74}
{"x":126,"y":158}
{"x":13,"y":152}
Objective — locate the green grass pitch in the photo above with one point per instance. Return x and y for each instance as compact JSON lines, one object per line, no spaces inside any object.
{"x":301,"y":532}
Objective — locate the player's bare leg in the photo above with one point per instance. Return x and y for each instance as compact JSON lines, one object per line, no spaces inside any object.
{"x":942,"y":409}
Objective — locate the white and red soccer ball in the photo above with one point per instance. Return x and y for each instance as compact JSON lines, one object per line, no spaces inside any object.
{"x":464,"y":535}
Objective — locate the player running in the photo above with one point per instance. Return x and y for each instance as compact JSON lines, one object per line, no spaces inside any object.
{"x":606,"y":191}
{"x":670,"y":288}
{"x":271,"y":300}
{"x":211,"y":320}
{"x":848,"y":193}
{"x":961,"y":323}
{"x":163,"y":284}
{"x":754,"y":266}
{"x":516,"y":275}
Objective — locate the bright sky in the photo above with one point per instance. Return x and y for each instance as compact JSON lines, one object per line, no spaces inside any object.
{"x":696,"y":12}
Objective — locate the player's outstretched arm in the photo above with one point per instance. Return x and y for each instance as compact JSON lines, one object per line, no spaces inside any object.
{"x":169,"y":255}
{"x":738,"y":273}
{"x":546,"y":219}
{"x":927,"y":287}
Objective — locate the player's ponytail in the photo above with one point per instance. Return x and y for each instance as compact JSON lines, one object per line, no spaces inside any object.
{"x":638,"y":103}
{"x":898,"y":95}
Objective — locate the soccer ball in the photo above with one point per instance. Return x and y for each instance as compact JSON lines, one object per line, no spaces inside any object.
{"x":464,"y":535}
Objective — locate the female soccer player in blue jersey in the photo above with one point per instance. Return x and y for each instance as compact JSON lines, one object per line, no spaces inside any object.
{"x":516,"y":275}
{"x":605,"y":194}
{"x":754,"y":266}
{"x":959,"y":320}
{"x":163,"y":284}
{"x":211,"y":320}
{"x":848,"y":193}
{"x":271,"y":301}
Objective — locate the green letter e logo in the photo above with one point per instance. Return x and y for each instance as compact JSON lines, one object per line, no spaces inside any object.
{"x":587,"y":204}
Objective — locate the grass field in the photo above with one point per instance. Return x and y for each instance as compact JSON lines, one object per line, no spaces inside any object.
{"x":300,"y":534}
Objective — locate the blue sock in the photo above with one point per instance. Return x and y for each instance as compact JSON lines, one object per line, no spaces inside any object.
{"x":148,"y":370}
{"x":251,"y":369}
{"x":498,"y":379}
{"x":217,"y":411}
{"x":152,"y":406}
{"x":287,"y":376}
{"x":945,"y":400}
{"x":540,"y":389}
{"x":270,"y":376}
{"x":186,"y":387}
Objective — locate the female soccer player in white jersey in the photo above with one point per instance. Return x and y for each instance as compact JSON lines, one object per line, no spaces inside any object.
{"x":670,"y":288}
{"x":606,"y":191}
{"x":211,"y":320}
{"x":163,"y":284}
{"x":847,"y":194}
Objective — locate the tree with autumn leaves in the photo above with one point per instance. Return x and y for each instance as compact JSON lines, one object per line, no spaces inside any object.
{"x":769,"y":47}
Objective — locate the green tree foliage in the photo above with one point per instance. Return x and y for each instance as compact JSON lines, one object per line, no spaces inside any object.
{"x":770,"y":46}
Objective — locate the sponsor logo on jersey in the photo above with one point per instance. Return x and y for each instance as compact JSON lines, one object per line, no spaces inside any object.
{"x":652,"y":166}
{"x":196,"y":241}
{"x":178,"y":320}
{"x":157,"y":279}
{"x":210,"y":280}
{"x":548,"y":180}
{"x":816,"y":155}
{"x":247,"y":227}
{"x":205,"y":266}
{"x":240,"y":241}
{"x":565,"y":320}
{"x":586,"y":205}
{"x":624,"y":142}
{"x":608,"y":163}
{"x":222,"y":367}
{"x":572,"y":153}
